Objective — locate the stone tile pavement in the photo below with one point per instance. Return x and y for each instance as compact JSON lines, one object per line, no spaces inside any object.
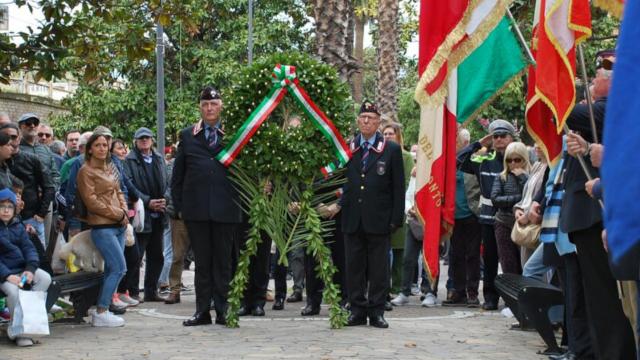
{"x":154,"y":331}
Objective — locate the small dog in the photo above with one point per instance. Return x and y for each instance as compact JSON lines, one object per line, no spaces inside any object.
{"x":88,"y":257}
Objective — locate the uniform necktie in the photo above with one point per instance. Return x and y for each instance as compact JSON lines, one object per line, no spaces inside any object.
{"x":212,"y":137}
{"x":365,"y":154}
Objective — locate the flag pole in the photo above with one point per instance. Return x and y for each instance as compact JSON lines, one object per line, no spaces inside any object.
{"x":521,"y":37}
{"x":583,"y":164}
{"x":594,"y":133}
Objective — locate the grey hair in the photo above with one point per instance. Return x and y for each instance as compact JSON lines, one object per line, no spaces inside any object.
{"x":84,"y":138}
{"x":464,"y":135}
{"x":57,"y":146}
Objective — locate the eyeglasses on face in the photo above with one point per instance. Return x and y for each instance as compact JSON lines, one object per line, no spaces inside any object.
{"x":6,"y":207}
{"x":514,"y":160}
{"x":500,"y":136}
{"x":13,"y":137}
{"x":45,"y":135}
{"x":31,"y":122}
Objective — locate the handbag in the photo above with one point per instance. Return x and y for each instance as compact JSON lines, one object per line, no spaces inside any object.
{"x":29,"y":315}
{"x":527,"y":236}
{"x":416,"y":227}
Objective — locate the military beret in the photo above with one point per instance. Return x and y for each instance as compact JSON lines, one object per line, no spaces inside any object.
{"x":369,"y":107}
{"x":209,"y":93}
{"x":605,"y":59}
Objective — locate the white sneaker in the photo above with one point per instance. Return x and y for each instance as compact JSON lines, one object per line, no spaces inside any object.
{"x":429,"y":300}
{"x":125,"y":298}
{"x":400,"y":300}
{"x":415,"y":290}
{"x":115,"y":300}
{"x":106,"y":319}
{"x":23,"y":342}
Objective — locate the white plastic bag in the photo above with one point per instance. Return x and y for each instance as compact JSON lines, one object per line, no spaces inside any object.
{"x":138,"y":218}
{"x":29,"y":316}
{"x":58,"y":264}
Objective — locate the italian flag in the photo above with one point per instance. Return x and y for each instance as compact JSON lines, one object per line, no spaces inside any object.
{"x":486,"y":58}
{"x":558,"y":27}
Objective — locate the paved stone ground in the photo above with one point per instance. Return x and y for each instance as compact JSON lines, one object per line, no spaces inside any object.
{"x":154,"y":331}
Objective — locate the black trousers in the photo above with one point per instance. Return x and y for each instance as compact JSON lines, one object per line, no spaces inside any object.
{"x":128,"y":282}
{"x":151,"y":244}
{"x":256,"y":292}
{"x":465,"y":256}
{"x":611,"y":333}
{"x":279,"y":276}
{"x":367,"y":257}
{"x":576,"y":319}
{"x":214,"y":248}
{"x":315,"y":286}
{"x":490,"y":259}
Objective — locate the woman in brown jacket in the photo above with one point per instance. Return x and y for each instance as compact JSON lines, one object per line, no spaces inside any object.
{"x":99,"y":188}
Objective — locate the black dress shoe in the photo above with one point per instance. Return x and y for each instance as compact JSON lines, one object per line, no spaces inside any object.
{"x":220,"y":319}
{"x":310,"y":310}
{"x":356,"y":320}
{"x":378,"y":321}
{"x":295,"y":297}
{"x":566,"y":356}
{"x":243,"y":311}
{"x":257,"y":311}
{"x":199,"y":318}
{"x":490,"y":305}
{"x":153,"y":298}
{"x":278,"y":304}
{"x":388,"y":306}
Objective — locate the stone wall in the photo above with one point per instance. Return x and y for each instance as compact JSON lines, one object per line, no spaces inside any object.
{"x":18,"y":104}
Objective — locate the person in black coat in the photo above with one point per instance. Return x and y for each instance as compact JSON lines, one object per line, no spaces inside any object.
{"x":581,"y":218}
{"x":148,"y":173}
{"x":204,"y":197}
{"x":372,"y":208}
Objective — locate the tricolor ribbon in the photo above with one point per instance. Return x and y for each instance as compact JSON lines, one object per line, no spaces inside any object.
{"x":284,"y":79}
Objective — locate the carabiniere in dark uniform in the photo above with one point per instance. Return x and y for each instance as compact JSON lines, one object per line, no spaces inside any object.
{"x":206,"y":200}
{"x":372,"y":208}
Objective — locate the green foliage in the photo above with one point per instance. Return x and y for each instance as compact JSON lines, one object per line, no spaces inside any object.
{"x":269,"y":203}
{"x":275,"y":149}
{"x":206,"y":50}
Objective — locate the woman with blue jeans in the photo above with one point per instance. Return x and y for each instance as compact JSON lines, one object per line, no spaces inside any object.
{"x":99,"y":188}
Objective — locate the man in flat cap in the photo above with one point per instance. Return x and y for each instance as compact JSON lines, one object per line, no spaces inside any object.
{"x":372,"y":207}
{"x":486,"y":168}
{"x":148,"y":173}
{"x":204,"y":197}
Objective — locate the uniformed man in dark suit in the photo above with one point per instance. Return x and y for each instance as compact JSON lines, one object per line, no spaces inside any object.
{"x":372,"y":208}
{"x":206,"y":200}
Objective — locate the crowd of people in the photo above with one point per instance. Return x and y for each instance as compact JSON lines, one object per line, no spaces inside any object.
{"x":513,"y":210}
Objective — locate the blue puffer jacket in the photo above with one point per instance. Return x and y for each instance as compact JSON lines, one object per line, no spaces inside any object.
{"x":17,"y":252}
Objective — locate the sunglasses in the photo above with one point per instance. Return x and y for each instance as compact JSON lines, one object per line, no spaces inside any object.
{"x":515,"y":160}
{"x":144,"y":138}
{"x":44,"y":135}
{"x":31,"y":122}
{"x":500,"y":136}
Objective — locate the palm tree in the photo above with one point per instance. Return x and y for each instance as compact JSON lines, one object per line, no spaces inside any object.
{"x":332,"y":34}
{"x":388,"y":58}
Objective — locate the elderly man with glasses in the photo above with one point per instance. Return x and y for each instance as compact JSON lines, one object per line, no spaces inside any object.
{"x":29,"y":126}
{"x":486,"y":167}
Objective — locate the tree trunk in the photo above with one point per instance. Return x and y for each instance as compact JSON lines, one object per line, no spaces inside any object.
{"x":358,"y":53}
{"x":388,"y":58}
{"x":332,"y":22}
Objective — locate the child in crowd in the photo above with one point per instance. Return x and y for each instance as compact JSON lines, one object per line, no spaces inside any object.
{"x":18,"y":257}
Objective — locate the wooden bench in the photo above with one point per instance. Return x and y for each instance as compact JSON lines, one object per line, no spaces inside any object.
{"x":529,"y":300}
